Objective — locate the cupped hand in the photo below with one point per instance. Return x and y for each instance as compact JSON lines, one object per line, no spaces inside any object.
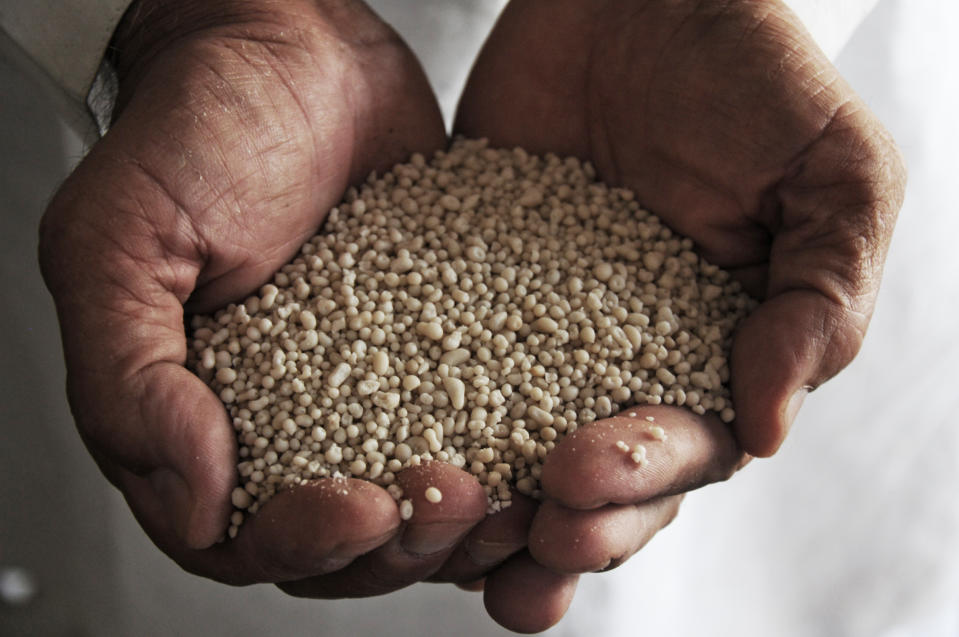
{"x":240,"y":124}
{"x":731,"y":125}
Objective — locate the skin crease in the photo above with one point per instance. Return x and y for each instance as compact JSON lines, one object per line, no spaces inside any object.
{"x":241,"y":122}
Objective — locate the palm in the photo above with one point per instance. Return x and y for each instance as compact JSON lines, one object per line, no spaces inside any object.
{"x":251,"y":142}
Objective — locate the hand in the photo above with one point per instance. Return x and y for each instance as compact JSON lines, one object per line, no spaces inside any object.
{"x":730,"y":124}
{"x":240,"y":124}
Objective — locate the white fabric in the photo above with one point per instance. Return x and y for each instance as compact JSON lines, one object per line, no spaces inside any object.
{"x":852,"y":530}
{"x":830,"y":22}
{"x":66,"y":38}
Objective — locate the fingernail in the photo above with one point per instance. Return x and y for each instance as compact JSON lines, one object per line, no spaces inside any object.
{"x":795,"y":402}
{"x":484,"y":553}
{"x":427,"y":539}
{"x":174,"y":493}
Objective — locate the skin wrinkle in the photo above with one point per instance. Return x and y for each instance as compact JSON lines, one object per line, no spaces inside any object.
{"x":758,"y":24}
{"x":136,"y":458}
{"x":272,"y":60}
{"x":231,"y":187}
{"x":306,"y":117}
{"x":830,"y":344}
{"x":129,"y":304}
{"x":608,"y":150}
{"x":235,"y":182}
{"x":184,"y":242}
{"x":838,"y":282}
{"x":606,"y":537}
{"x":236,"y":104}
{"x":129,"y":361}
{"x":139,"y":380}
{"x":123,"y":294}
{"x":853,"y":281}
{"x":148,"y":30}
{"x":822,"y":341}
{"x":716,"y":189}
{"x":224,"y":161}
{"x":366,"y":569}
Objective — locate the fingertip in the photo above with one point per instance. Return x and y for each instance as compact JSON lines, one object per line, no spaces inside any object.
{"x":762,"y":436}
{"x":643,"y":453}
{"x":525,"y":597}
{"x":797,"y":339}
{"x":759,"y":436}
{"x":474,"y":586}
{"x":440,"y":491}
{"x":446,"y":503}
{"x":317,"y":527}
{"x":588,"y":469}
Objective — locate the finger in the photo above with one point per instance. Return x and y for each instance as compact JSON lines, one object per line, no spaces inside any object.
{"x":839,"y":203}
{"x":314,"y":528}
{"x":490,"y":543}
{"x":119,"y":304}
{"x":643,"y":453}
{"x":574,"y":541}
{"x":525,"y":597}
{"x":474,"y":586}
{"x":419,"y":548}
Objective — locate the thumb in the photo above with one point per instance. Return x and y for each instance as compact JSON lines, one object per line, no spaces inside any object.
{"x":119,"y":266}
{"x":837,"y":208}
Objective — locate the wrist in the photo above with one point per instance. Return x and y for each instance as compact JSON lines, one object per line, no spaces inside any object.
{"x":151,"y":27}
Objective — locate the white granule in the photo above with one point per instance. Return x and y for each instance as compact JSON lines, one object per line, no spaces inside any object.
{"x":434,"y":495}
{"x":473,"y":309}
{"x":638,"y":455}
{"x":657,"y":433}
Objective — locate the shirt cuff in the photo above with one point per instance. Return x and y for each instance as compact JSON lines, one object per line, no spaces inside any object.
{"x":65,"y":38}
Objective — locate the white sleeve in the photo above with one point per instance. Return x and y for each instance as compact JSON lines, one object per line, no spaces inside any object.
{"x":832,"y":23}
{"x":66,"y":38}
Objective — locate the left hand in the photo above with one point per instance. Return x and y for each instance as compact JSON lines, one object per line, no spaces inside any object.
{"x":239,"y":124}
{"x":730,"y":124}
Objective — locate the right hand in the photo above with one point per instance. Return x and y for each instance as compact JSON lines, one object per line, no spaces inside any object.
{"x":240,"y":123}
{"x":727,"y":122}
